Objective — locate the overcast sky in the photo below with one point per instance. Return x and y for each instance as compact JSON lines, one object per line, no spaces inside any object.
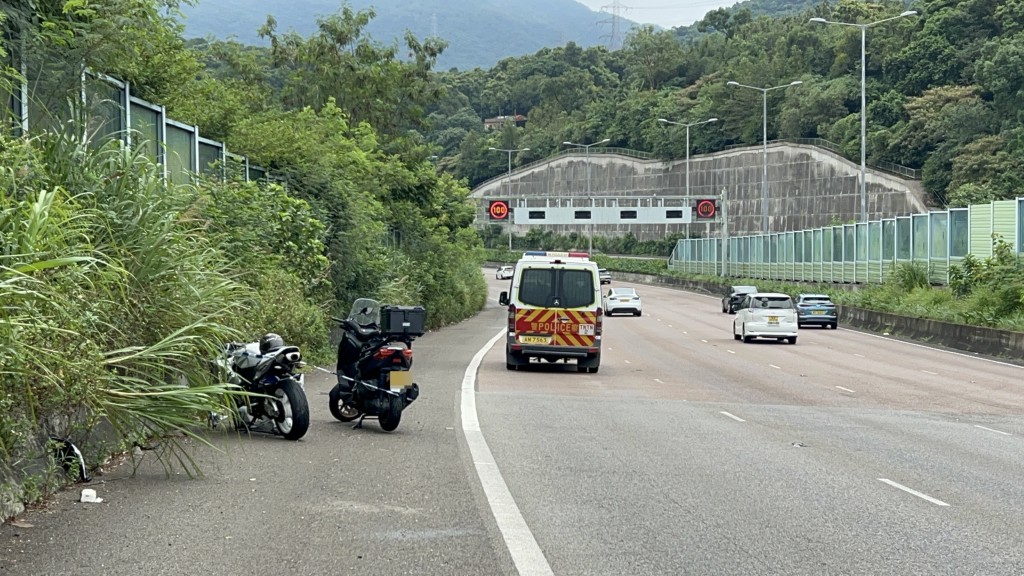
{"x":664,"y":13}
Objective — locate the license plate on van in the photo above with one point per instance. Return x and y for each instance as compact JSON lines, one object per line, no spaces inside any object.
{"x":535,"y":339}
{"x":586,"y":330}
{"x":773,"y":319}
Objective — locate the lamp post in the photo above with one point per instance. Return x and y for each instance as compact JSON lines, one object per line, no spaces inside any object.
{"x":508,"y":181}
{"x":863,"y":100}
{"x":764,"y":153}
{"x":590,"y":230}
{"x":687,"y":126}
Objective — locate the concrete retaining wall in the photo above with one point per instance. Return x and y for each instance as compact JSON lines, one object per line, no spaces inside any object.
{"x":808,"y":187}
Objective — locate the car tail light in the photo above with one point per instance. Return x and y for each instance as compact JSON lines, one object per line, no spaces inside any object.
{"x":511,"y":317}
{"x":599,"y":323}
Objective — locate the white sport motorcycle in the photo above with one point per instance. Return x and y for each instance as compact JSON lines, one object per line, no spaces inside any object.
{"x":267,"y":369}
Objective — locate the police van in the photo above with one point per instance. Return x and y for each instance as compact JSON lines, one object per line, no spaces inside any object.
{"x":554,"y":310}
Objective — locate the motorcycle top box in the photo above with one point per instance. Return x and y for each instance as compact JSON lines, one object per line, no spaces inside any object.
{"x":403,"y":320}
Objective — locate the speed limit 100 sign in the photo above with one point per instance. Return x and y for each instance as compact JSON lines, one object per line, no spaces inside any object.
{"x":498,"y":210}
{"x":707,"y":209}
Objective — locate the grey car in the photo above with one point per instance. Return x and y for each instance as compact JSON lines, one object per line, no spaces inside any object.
{"x":816,"y":310}
{"x":734,"y":296}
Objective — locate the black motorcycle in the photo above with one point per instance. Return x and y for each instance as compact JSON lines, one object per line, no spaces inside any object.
{"x":374,"y":363}
{"x":268,"y":370}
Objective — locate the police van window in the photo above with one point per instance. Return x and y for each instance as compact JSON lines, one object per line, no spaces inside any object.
{"x":537,"y":287}
{"x":576,"y":288}
{"x":559,"y":288}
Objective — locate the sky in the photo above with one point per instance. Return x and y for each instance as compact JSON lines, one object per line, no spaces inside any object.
{"x":664,"y":13}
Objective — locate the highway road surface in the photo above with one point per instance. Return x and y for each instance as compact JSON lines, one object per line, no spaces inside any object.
{"x":688,"y":453}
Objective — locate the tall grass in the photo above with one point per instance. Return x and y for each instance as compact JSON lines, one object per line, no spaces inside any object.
{"x":111,"y":298}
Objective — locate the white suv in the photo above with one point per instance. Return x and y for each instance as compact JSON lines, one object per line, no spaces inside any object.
{"x":765,"y":315}
{"x":504,"y":273}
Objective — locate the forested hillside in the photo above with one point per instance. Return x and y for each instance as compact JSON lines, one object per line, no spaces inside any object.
{"x":943,"y":90}
{"x":479,"y":33}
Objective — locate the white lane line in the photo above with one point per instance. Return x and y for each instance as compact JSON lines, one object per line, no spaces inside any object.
{"x":659,"y":319}
{"x":993,"y":430}
{"x":731,"y":351}
{"x":704,"y":341}
{"x":522,"y":546}
{"x":628,"y":362}
{"x":929,"y":372}
{"x":774,"y":366}
{"x":669,"y":325}
{"x":658,"y":381}
{"x":846,"y":390}
{"x":685,"y":332}
{"x":914,"y":492}
{"x":859,"y":355}
{"x":734,"y":417}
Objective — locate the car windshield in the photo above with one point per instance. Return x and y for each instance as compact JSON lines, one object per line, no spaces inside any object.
{"x":773,"y":302}
{"x":551,"y":287}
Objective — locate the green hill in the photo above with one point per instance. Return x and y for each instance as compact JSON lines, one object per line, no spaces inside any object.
{"x":479,"y":32}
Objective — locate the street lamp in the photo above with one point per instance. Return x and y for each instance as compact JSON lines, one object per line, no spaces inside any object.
{"x":508,"y":181}
{"x":687,"y":126}
{"x":764,"y":161}
{"x":863,"y":101}
{"x":590,"y":231}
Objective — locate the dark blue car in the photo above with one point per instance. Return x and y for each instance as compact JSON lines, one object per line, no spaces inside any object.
{"x":816,"y":310}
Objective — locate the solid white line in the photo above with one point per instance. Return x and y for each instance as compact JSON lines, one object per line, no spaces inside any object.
{"x":522,"y":546}
{"x":736,"y":418}
{"x":846,"y":390}
{"x":774,"y":366}
{"x":993,"y":430}
{"x":914,"y":492}
{"x":932,"y":373}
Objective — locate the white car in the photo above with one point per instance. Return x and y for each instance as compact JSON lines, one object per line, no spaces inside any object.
{"x":504,"y":273}
{"x":765,"y":315}
{"x":622,"y":299}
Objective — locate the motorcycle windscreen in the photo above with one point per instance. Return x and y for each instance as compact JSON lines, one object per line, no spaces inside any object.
{"x":365,"y":312}
{"x":399,"y":379}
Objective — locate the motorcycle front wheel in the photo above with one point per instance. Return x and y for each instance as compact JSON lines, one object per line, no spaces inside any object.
{"x":339,"y":409}
{"x":293,"y":415}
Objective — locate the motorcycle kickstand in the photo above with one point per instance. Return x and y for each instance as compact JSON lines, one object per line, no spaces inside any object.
{"x":359,"y":424}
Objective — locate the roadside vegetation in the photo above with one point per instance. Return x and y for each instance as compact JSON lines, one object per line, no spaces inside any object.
{"x":117,"y":287}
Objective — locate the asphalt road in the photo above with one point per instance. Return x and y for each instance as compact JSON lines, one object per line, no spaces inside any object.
{"x":688,"y":453}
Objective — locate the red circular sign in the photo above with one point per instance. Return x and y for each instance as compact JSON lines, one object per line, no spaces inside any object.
{"x":498,"y":210}
{"x":707,"y":209}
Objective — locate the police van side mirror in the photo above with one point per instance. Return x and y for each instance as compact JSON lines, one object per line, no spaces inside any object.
{"x":503,"y":299}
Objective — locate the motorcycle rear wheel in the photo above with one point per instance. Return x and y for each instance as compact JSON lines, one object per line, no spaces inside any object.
{"x":392,"y":416}
{"x":293,"y":419}
{"x":339,"y":409}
